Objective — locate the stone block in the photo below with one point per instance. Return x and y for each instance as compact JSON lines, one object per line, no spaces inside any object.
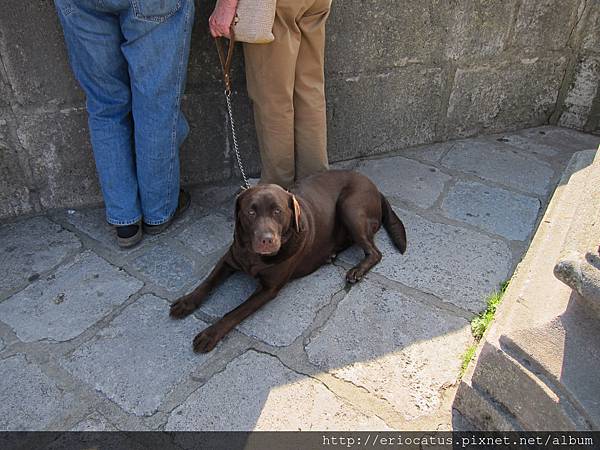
{"x":500,"y":163}
{"x":61,"y":306}
{"x":213,"y":196}
{"x":482,"y":412}
{"x":372,"y":114}
{"x":208,"y":153}
{"x":406,"y":179}
{"x":14,"y":189}
{"x":5,"y":92}
{"x":208,"y":234}
{"x":535,"y":19}
{"x":31,"y":247}
{"x":34,"y":55}
{"x":492,"y":209}
{"x":505,"y":96}
{"x":205,"y":154}
{"x":520,"y":391}
{"x":287,"y":316}
{"x":61,"y":158}
{"x":165,"y":266}
{"x":280,"y":400}
{"x":591,"y":35}
{"x":579,"y":262}
{"x":459,"y":266}
{"x":562,"y":138}
{"x":396,"y":347}
{"x":140,"y":357}
{"x":31,"y":400}
{"x":537,"y":356}
{"x":581,"y":95}
{"x":478,"y":28}
{"x":361,"y":33}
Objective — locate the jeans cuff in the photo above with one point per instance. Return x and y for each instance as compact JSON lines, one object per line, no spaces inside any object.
{"x":122,"y":223}
{"x":161,"y":221}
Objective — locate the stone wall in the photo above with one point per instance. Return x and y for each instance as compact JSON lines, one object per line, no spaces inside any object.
{"x":399,"y":73}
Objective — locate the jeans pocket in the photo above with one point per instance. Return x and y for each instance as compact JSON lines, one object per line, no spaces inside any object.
{"x":155,"y":10}
{"x":65,"y":6}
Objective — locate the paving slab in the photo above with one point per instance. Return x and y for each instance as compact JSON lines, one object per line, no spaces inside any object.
{"x":94,"y":422}
{"x":396,"y":347}
{"x":208,"y":234}
{"x":457,"y":265}
{"x":2,"y":344}
{"x":63,"y":305}
{"x":563,"y":138}
{"x":286,"y":317}
{"x":139,"y":357}
{"x":497,"y":162}
{"x":530,"y":146}
{"x":92,"y":221}
{"x":30,"y":247}
{"x":492,"y":209}
{"x":279,"y":400}
{"x":30,"y":399}
{"x":406,"y":179}
{"x":431,"y":153}
{"x":165,"y":266}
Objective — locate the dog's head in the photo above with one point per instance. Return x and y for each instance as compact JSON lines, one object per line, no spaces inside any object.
{"x":265,"y":218}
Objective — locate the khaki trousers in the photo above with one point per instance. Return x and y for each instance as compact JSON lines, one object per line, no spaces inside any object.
{"x":286,"y":83}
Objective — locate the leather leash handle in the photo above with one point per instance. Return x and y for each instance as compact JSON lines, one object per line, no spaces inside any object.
{"x":226,"y":60}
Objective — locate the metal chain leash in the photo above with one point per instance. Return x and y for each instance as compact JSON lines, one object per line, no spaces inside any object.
{"x":234,"y":137}
{"x":226,"y":67}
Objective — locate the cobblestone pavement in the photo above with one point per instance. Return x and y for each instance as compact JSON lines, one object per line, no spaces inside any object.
{"x":86,"y":342}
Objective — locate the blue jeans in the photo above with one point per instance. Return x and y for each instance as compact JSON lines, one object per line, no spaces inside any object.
{"x":130,"y":58}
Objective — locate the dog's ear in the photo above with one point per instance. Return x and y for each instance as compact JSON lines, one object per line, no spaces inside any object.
{"x":296,"y":213}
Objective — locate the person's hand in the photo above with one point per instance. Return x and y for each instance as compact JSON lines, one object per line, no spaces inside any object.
{"x":222,"y":17}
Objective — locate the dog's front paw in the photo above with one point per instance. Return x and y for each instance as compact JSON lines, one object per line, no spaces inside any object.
{"x":205,"y":341}
{"x":182,"y":308}
{"x":354,"y":275}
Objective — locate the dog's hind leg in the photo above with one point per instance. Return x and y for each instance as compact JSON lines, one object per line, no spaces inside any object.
{"x":190,"y":302}
{"x":362,"y":230}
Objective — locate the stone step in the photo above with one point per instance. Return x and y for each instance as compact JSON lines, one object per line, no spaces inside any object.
{"x":579,"y":263}
{"x":534,"y":368}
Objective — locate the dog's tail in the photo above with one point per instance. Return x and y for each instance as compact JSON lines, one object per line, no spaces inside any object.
{"x":393,"y":225}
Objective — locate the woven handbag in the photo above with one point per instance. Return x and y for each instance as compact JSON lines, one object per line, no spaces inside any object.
{"x":254,"y":21}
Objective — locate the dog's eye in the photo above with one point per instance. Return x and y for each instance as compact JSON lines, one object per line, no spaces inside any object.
{"x":277,"y":211}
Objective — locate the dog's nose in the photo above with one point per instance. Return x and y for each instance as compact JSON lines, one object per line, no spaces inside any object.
{"x":267,"y":239}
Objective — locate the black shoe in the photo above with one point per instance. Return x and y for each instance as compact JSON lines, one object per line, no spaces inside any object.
{"x":184,"y":203}
{"x":129,"y":235}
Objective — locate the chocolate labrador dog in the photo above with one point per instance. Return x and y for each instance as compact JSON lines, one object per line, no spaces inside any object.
{"x":281,"y":235}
